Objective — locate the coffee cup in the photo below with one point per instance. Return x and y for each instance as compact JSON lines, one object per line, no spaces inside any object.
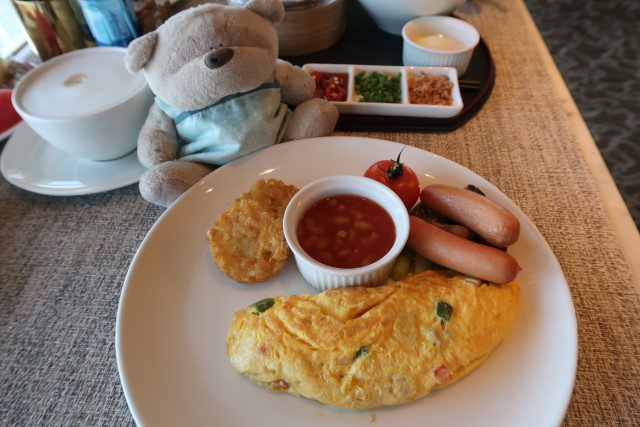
{"x":85,"y":103}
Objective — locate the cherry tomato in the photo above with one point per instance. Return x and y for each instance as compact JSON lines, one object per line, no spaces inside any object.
{"x":398,"y":177}
{"x":335,"y":93}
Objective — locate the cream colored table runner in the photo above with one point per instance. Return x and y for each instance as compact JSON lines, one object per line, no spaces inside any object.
{"x":522,"y":142}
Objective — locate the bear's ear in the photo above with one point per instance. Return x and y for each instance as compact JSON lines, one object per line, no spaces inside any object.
{"x":273,"y":10}
{"x":140,"y":51}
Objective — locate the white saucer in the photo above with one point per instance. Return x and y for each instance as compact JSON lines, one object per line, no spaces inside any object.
{"x":7,"y":133}
{"x":32,"y":164}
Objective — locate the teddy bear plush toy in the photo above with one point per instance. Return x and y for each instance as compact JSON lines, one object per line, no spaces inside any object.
{"x":220,"y":92}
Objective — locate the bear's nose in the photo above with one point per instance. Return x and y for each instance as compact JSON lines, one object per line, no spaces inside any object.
{"x":218,"y":57}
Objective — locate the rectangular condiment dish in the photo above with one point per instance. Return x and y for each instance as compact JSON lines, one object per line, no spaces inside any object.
{"x":404,"y":107}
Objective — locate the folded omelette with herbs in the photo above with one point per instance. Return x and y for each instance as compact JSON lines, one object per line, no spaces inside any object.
{"x":360,"y":347}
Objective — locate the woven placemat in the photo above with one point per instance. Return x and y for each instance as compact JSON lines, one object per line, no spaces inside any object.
{"x":63,"y":260}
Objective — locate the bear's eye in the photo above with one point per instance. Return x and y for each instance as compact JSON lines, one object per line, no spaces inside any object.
{"x":220,"y":44}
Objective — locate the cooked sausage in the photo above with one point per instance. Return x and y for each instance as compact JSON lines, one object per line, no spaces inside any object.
{"x":455,"y":253}
{"x":492,"y":222}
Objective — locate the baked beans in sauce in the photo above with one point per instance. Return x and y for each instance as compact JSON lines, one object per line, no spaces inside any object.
{"x":346,"y":231}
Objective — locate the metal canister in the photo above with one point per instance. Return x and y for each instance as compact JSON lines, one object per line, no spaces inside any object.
{"x":51,"y":27}
{"x":112,"y":22}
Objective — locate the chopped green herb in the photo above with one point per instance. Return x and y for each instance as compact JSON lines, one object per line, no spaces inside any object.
{"x":378,"y":87}
{"x":443,"y":311}
{"x":263,"y":305}
{"x":363,"y":351}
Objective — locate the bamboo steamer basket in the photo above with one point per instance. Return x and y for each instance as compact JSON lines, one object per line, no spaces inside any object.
{"x":312,"y":29}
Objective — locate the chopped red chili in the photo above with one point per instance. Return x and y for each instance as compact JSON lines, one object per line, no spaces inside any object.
{"x":442,"y":374}
{"x":331,"y":86}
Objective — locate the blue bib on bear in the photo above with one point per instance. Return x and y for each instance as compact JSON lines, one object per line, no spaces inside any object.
{"x":235,"y":125}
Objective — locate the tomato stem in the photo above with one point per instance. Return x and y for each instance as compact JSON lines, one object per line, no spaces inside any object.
{"x":400,"y":154}
{"x":395,"y":170}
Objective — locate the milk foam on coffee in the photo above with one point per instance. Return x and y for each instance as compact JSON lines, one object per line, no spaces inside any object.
{"x":78,"y":84}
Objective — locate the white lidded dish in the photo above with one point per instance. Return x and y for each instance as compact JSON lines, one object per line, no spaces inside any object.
{"x":414,"y":54}
{"x":322,"y":276}
{"x":402,"y":108}
{"x":391,"y":15}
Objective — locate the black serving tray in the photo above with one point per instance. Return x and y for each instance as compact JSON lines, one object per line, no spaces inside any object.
{"x":364,"y":43}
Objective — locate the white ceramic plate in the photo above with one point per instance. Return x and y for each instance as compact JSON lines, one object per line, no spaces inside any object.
{"x":176,"y":306}
{"x":30,"y":163}
{"x":404,"y":107}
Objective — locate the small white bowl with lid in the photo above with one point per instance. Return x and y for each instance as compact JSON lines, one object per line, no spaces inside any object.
{"x":391,"y":15}
{"x":457,"y":30}
{"x":322,"y":276}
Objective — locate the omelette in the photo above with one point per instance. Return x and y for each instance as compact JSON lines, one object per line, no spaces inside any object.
{"x":364,"y":347}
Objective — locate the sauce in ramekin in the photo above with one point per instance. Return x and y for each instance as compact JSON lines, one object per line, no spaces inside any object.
{"x":346,"y":231}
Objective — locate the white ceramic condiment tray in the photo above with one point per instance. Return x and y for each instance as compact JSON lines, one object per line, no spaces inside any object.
{"x":404,"y":107}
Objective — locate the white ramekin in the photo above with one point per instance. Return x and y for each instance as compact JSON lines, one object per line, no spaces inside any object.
{"x":322,"y":276}
{"x":416,"y":55}
{"x":103,"y":135}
